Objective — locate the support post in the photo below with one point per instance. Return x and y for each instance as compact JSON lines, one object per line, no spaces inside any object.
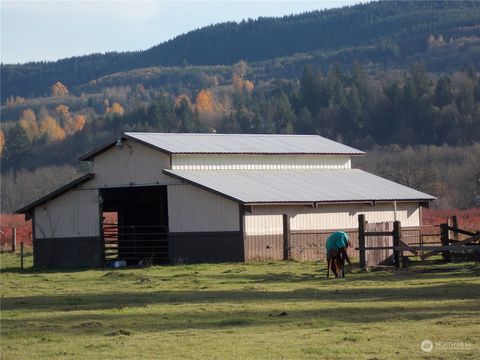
{"x":445,"y":241}
{"x":397,"y":236}
{"x":21,"y":255}
{"x":455,"y":225}
{"x":14,"y":239}
{"x":286,"y":237}
{"x":361,"y":241}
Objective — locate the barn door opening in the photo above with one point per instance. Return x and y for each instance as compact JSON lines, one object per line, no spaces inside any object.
{"x":140,"y":233}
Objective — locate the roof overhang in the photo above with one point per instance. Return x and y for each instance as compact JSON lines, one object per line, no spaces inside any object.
{"x":27,"y":209}
{"x":251,"y":188}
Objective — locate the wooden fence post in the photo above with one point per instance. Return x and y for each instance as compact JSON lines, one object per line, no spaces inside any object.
{"x":397,"y":236}
{"x":14,"y":239}
{"x":361,"y":241}
{"x":21,"y":255}
{"x":455,"y":225}
{"x":445,"y":241}
{"x":286,"y":237}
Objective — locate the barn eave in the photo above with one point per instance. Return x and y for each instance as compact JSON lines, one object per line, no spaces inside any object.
{"x":28,"y":209}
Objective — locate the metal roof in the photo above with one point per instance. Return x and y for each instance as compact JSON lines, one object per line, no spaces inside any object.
{"x":174,"y":143}
{"x":73,"y":184}
{"x":299,"y":186}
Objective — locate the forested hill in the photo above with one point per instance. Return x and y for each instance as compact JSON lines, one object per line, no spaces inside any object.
{"x":380,"y":32}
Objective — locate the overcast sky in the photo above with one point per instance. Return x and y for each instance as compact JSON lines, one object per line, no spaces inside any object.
{"x":50,"y":30}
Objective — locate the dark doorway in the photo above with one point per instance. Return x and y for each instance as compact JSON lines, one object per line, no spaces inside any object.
{"x":141,"y":231}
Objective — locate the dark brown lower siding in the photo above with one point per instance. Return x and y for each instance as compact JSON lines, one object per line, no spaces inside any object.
{"x":205,"y":247}
{"x":68,"y":252}
{"x":263,"y":247}
{"x":307,"y":245}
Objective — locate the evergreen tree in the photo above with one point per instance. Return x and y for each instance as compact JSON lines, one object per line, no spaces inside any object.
{"x":17,"y":146}
{"x":420,"y":80}
{"x":185,"y":116}
{"x":307,"y":87}
{"x":443,"y":92}
{"x":353,"y":108}
{"x":335,"y":86}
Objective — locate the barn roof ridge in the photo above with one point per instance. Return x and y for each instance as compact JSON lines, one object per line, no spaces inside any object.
{"x":202,"y":143}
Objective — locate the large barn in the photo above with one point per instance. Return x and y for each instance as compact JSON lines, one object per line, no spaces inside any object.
{"x":182,"y":198}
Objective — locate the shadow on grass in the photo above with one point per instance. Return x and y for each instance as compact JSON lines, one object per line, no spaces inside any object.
{"x":353,"y":274}
{"x":140,"y":298}
{"x":39,"y":271}
{"x":203,"y":319}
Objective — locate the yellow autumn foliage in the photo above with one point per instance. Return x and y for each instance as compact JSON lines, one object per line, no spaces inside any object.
{"x":63,"y":111}
{"x":74,"y":124}
{"x":239,"y":84}
{"x":248,"y":85}
{"x":205,"y":101}
{"x":58,"y":89}
{"x":116,"y":109}
{"x":2,"y":141}
{"x":51,"y":129}
{"x":28,"y":122}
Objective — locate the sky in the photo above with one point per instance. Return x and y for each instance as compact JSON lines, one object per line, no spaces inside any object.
{"x":50,"y":30}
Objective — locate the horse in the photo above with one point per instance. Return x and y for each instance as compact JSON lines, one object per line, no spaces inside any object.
{"x":336,"y":262}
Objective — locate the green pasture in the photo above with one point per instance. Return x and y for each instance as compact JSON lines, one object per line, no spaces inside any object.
{"x":280,"y":310}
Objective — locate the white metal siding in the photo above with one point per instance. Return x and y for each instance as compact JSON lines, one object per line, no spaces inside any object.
{"x":268,"y":219}
{"x":258,"y":162}
{"x":73,"y":214}
{"x":191,"y":209}
{"x":134,"y":164}
{"x":263,"y":224}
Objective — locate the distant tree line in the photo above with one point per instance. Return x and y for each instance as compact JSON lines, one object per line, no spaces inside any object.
{"x":448,"y":172}
{"x":353,"y":107}
{"x":406,"y":109}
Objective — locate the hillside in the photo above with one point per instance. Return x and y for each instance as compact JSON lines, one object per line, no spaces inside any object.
{"x":369,"y":76}
{"x":387,"y":33}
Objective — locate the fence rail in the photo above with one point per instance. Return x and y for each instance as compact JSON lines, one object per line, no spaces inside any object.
{"x":136,"y":243}
{"x":450,"y":242}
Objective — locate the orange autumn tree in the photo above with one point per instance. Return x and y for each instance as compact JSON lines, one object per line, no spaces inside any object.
{"x":74,"y":124}
{"x":28,"y":122}
{"x":58,"y":89}
{"x":116,"y":109}
{"x":204,"y":101}
{"x":2,"y":141}
{"x":239,"y":71}
{"x":50,"y":128}
{"x":64,"y":112}
{"x":248,"y":85}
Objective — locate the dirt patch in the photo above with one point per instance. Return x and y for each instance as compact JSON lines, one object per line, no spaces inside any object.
{"x":119,"y":332}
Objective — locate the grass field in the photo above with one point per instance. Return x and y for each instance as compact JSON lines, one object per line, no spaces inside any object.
{"x":281,"y":310}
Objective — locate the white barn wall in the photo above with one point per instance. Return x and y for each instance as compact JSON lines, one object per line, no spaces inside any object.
{"x":258,"y":162}
{"x":74,"y":214}
{"x":268,"y":219}
{"x":134,"y":164}
{"x":191,"y":209}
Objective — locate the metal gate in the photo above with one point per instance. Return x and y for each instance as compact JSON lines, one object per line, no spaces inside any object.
{"x":133,"y":244}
